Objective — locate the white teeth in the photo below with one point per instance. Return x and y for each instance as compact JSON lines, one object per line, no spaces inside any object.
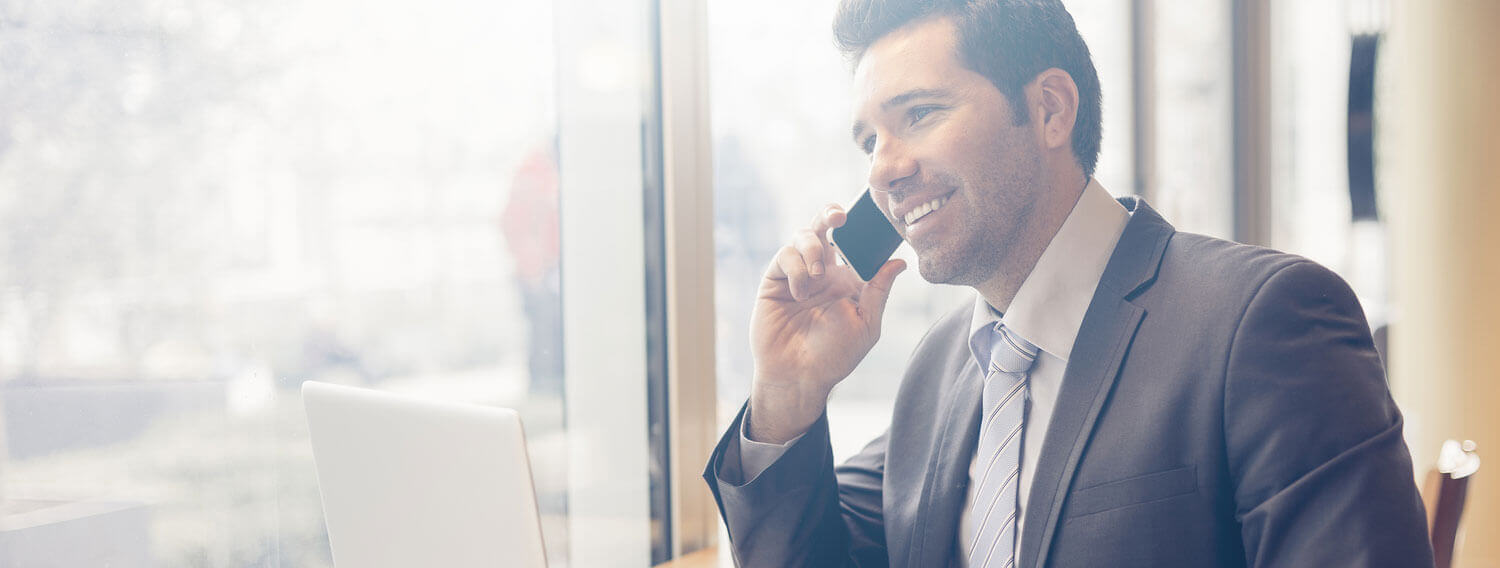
{"x":922,"y":210}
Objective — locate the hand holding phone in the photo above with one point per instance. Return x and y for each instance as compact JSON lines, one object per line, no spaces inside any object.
{"x":814,"y":321}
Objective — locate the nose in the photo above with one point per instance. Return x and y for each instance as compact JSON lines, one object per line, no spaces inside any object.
{"x":891,"y":164}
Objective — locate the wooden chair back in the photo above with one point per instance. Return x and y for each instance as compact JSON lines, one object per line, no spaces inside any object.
{"x":1444,"y":492}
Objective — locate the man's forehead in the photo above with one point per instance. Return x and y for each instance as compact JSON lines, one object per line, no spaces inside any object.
{"x":921,"y":55}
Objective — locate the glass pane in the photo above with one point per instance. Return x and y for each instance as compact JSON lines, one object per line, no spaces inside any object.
{"x":604,"y":83}
{"x":1194,"y":105}
{"x":207,"y":203}
{"x":1313,"y":211}
{"x":1105,"y":27}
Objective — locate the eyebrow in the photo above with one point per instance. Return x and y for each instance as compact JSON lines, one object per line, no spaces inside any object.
{"x":898,"y":100}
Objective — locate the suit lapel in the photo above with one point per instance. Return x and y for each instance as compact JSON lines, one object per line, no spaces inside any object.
{"x":1108,"y":328}
{"x":947,"y":480}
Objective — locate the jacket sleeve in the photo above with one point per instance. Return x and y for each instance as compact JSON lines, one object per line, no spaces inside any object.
{"x":801,"y":510}
{"x":1322,"y":475}
{"x":755,"y":456}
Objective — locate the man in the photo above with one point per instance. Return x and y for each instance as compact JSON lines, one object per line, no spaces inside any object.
{"x":1119,"y":393}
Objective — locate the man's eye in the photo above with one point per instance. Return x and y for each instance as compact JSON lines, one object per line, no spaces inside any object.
{"x":868,"y":145}
{"x":916,"y":114}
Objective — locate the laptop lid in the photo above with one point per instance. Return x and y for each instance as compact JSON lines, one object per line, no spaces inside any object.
{"x":409,"y":482}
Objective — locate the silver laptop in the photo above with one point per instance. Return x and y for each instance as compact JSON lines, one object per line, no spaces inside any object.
{"x":420,"y":483}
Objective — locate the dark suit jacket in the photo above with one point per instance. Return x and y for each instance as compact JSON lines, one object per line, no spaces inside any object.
{"x":1223,"y":406}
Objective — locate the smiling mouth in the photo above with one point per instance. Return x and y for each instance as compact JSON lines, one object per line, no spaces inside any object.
{"x":924,"y":210}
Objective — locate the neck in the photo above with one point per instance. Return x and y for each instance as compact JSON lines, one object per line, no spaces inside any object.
{"x":1064,"y":190}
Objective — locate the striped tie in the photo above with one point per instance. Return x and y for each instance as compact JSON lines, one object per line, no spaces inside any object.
{"x":992,"y":538}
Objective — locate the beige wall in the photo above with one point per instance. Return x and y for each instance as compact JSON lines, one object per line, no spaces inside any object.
{"x":1443,"y":200}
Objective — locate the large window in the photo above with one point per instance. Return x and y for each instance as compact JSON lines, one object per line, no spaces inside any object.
{"x":205,"y":204}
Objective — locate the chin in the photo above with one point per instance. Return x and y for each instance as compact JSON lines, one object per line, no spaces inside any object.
{"x":952,"y":267}
{"x":937,"y":271}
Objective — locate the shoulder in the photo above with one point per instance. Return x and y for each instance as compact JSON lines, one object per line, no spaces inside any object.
{"x":1216,"y":274}
{"x":1267,"y":309}
{"x":1224,"y":263}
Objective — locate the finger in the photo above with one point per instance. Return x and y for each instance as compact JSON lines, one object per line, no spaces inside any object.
{"x":837,"y":217}
{"x":774,"y":271}
{"x":813,"y":252}
{"x":875,"y":293}
{"x":789,"y":263}
{"x":823,"y":213}
{"x":830,"y":251}
{"x":832,"y":216}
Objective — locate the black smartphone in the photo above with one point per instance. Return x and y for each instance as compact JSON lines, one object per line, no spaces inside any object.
{"x":867,"y":238}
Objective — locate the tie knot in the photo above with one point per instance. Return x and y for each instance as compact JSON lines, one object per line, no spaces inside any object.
{"x":1010,"y":353}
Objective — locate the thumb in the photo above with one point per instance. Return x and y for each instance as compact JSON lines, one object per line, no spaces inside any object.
{"x":875,"y":293}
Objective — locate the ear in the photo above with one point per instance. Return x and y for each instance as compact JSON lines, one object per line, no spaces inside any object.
{"x":1057,"y":102}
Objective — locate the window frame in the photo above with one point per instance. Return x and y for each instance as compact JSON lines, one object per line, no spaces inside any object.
{"x":688,"y":189}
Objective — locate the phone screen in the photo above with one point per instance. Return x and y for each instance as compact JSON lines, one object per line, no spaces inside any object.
{"x":867,"y":238}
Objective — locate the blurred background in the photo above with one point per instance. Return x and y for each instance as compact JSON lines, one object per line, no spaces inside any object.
{"x":204,"y":204}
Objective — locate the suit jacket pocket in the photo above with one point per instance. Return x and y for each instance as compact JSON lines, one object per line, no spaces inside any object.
{"x":1133,"y":491}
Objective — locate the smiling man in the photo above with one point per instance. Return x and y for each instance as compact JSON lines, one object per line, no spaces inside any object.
{"x":1118,"y":393}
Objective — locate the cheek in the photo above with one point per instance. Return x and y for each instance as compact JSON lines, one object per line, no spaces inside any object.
{"x":965,"y":148}
{"x":883,"y":203}
{"x":1008,"y":153}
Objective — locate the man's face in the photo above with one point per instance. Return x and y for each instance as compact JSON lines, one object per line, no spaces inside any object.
{"x":940,"y":134}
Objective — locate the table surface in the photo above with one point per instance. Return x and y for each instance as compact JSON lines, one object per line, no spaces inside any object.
{"x":706,"y":558}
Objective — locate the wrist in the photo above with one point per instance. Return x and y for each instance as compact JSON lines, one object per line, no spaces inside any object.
{"x":781,"y":412}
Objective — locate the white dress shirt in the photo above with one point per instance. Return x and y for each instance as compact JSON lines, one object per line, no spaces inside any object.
{"x":1047,"y":311}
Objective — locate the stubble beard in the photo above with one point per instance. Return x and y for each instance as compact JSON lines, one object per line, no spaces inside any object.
{"x":985,"y":246}
{"x":983,"y":251}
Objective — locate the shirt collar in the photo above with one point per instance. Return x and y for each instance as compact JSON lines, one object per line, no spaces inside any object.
{"x":1048,"y":309}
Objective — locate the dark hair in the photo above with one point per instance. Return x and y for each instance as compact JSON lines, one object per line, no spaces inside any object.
{"x":1010,"y":42}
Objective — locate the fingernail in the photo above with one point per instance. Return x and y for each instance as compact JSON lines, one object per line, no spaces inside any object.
{"x":817,"y":268}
